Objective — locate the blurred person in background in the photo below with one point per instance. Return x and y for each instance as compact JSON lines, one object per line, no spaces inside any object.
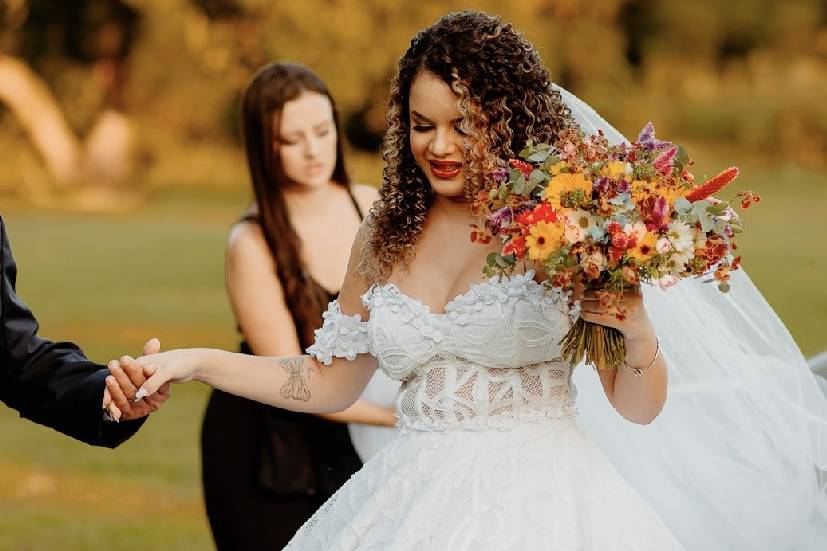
{"x":266,"y":470}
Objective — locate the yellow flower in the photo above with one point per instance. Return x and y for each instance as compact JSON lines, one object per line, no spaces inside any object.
{"x":614,"y":169}
{"x":645,"y":248}
{"x":641,"y":190}
{"x":558,"y":167}
{"x":565,"y":183}
{"x":671,"y":194}
{"x":543,"y":240}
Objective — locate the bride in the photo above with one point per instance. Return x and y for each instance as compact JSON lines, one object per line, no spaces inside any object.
{"x":492,"y":455}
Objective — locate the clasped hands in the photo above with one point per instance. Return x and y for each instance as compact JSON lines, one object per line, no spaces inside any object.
{"x":126,"y":377}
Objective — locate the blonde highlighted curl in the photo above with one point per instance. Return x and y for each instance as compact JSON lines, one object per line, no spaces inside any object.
{"x":505,"y":99}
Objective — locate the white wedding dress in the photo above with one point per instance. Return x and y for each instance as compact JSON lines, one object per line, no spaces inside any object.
{"x":491,"y":456}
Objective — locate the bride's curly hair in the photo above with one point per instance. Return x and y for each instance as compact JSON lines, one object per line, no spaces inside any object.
{"x":505,"y":99}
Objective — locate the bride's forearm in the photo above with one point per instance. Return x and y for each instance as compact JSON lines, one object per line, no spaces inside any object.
{"x":640,"y":399}
{"x":295,"y":383}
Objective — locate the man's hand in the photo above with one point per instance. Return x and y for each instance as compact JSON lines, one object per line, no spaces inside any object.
{"x":123,"y":383}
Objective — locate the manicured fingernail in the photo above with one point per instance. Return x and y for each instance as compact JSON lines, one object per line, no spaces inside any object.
{"x":142,"y":393}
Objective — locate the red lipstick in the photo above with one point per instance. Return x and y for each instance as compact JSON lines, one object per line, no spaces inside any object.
{"x":445,"y":170}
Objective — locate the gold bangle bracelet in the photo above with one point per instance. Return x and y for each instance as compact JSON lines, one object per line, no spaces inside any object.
{"x":637,"y":371}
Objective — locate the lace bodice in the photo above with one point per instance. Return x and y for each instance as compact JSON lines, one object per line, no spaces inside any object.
{"x":491,"y":359}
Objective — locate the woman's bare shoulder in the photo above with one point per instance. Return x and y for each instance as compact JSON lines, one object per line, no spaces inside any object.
{"x":246,"y":240}
{"x":365,"y":195}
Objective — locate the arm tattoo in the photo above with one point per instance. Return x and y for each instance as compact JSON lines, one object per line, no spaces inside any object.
{"x":297,"y":378}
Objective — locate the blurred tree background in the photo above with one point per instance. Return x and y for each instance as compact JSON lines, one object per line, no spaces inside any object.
{"x":144,"y":93}
{"x":123,"y":170}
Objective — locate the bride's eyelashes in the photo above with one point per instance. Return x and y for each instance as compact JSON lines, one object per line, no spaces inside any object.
{"x":428,"y":128}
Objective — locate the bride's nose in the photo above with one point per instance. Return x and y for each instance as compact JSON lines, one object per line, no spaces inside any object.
{"x":442,"y":144}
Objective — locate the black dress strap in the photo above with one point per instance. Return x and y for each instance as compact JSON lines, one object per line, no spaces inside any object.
{"x":355,"y":203}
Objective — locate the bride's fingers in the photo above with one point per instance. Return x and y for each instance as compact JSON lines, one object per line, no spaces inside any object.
{"x":153,"y":384}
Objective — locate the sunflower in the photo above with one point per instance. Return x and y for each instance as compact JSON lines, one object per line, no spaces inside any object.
{"x":569,"y":189}
{"x":543,"y":240}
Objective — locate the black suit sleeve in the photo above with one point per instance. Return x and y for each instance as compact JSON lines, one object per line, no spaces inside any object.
{"x":51,"y":383}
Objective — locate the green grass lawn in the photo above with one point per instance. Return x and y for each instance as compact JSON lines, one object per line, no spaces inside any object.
{"x":110,"y":281}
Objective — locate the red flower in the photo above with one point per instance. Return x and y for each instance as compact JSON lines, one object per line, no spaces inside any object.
{"x":748,"y":198}
{"x":623,"y":241}
{"x":516,"y":247}
{"x":479,"y":236}
{"x":522,"y":166}
{"x":713,"y":185}
{"x":616,"y":253}
{"x":614,"y":227}
{"x":541,"y":213}
{"x":656,"y":211}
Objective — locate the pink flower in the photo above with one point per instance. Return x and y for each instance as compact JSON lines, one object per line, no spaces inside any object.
{"x":667,"y":281}
{"x":663,"y":245}
{"x":666,"y":160}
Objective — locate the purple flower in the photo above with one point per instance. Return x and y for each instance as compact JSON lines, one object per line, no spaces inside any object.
{"x":602,"y":185}
{"x":505,"y":215}
{"x":623,"y":186}
{"x":647,"y":139}
{"x":500,"y":174}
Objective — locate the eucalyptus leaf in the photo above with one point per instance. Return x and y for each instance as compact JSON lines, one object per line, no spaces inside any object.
{"x":682,"y":156}
{"x":682,"y":205}
{"x":717,"y":210}
{"x":537,"y":176}
{"x":504,"y":261}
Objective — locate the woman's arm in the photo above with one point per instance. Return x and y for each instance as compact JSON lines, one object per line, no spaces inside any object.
{"x":639,"y":399}
{"x":364,"y":412}
{"x":258,"y":304}
{"x":299,"y":383}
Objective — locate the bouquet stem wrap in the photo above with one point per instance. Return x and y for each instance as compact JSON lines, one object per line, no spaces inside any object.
{"x":602,"y":346}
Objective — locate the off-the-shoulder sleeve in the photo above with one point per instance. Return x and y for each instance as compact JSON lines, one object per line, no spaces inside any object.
{"x":340,"y":336}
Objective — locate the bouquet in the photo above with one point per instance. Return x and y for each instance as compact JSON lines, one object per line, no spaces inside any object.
{"x":609,"y":218}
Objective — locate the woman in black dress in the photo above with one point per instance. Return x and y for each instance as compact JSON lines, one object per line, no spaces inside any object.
{"x":266,"y":470}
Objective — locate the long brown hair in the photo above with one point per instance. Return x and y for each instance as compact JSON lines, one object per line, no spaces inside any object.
{"x":505,"y":99}
{"x":272,"y":87}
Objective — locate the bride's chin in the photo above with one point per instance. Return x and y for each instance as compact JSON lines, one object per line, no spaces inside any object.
{"x":449,"y":189}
